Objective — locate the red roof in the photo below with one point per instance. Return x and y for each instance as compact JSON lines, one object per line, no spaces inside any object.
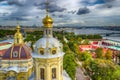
{"x":84,"y":47}
{"x":95,"y":42}
{"x":2,"y":52}
{"x":5,"y":43}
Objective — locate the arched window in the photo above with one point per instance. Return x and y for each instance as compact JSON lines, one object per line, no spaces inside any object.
{"x":53,"y":73}
{"x":42,"y":73}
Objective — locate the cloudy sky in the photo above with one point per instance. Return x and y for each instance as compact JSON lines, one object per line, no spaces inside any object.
{"x":64,"y":12}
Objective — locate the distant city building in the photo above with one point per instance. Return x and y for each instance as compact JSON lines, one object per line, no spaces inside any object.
{"x":114,"y":46}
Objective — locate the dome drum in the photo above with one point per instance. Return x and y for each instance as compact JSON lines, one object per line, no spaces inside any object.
{"x":51,"y":51}
{"x":48,"y":46}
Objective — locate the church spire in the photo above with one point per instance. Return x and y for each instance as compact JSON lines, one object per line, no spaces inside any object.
{"x":18,"y":38}
{"x":47,"y":3}
{"x":47,"y":21}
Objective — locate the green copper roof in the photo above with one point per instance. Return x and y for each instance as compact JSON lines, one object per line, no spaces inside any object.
{"x":114,"y":47}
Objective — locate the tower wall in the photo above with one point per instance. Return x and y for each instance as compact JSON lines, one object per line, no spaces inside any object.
{"x":48,"y":65}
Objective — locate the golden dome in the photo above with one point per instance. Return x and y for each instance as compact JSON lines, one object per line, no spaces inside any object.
{"x":47,"y":21}
{"x":18,"y":38}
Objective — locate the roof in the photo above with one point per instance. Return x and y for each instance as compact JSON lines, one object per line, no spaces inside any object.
{"x":2,"y":52}
{"x":17,"y":52}
{"x":114,"y":47}
{"x":90,"y":46}
{"x":51,"y":42}
{"x":8,"y":40}
{"x":48,"y":45}
{"x":5,"y":45}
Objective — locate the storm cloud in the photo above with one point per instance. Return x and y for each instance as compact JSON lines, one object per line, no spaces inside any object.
{"x":2,"y":0}
{"x":16,"y":2}
{"x":82,"y":11}
{"x":51,"y":7}
{"x":16,"y":18}
{"x":109,"y":0}
{"x":63,"y":12}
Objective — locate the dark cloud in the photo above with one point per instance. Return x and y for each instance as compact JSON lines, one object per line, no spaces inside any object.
{"x":51,"y":7}
{"x":16,"y":18}
{"x":5,"y":14}
{"x":108,"y":1}
{"x":72,"y":12}
{"x":82,"y":11}
{"x":18,"y":15}
{"x":107,"y":4}
{"x":16,"y":2}
{"x":36,"y":17}
{"x":2,"y":0}
{"x":58,"y":16}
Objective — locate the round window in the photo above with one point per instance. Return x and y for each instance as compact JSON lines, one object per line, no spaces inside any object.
{"x":41,"y":52}
{"x":53,"y":51}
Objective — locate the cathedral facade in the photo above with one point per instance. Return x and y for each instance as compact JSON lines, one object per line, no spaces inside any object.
{"x":45,"y":63}
{"x":48,"y":55}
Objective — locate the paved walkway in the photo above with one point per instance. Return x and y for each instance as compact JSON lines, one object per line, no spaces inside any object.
{"x":79,"y":74}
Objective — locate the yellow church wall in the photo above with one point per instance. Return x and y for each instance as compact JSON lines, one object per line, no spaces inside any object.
{"x":48,"y":64}
{"x":20,"y":76}
{"x":2,"y":76}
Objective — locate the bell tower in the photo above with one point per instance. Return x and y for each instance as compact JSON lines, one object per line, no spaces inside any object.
{"x":47,"y":23}
{"x":48,"y":54}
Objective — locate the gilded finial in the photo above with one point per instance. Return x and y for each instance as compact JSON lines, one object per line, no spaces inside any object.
{"x":18,"y":28}
{"x":18,"y":38}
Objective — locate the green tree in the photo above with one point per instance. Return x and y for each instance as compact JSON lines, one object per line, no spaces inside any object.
{"x":99,"y":52}
{"x":69,"y":65}
{"x":100,"y":69}
{"x":83,"y":56}
{"x":108,"y":55}
{"x":85,"y":42}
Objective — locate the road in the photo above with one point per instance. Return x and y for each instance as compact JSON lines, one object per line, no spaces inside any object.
{"x":79,"y":74}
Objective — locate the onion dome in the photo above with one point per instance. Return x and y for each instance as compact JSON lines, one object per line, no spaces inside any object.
{"x":18,"y":38}
{"x":17,"y":52}
{"x":47,"y":21}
